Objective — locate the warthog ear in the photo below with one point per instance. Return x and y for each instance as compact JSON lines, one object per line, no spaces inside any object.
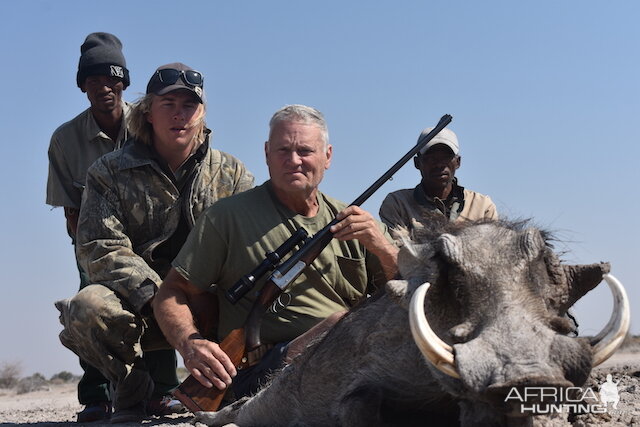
{"x":450,"y":246}
{"x":531,"y":243}
{"x":582,"y":278}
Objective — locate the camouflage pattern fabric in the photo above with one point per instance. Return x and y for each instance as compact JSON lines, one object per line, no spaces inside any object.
{"x":102,"y":331}
{"x":130,"y":207}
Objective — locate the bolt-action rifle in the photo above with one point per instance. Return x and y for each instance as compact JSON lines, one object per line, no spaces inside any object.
{"x":241,"y":341}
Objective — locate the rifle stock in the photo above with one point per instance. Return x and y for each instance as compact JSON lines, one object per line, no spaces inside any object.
{"x":194,"y":395}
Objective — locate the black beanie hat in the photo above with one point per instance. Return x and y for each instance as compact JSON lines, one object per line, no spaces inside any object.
{"x":101,"y":55}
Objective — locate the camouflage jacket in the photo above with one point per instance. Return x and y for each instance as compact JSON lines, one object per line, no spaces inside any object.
{"x":130,"y":207}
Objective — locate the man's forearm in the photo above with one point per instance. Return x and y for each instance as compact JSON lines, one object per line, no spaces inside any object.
{"x":388,"y":256}
{"x":172,"y":308}
{"x":175,"y":318}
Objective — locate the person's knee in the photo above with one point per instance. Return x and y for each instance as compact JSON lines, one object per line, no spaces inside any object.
{"x":96,"y":318}
{"x":90,"y":302}
{"x":79,"y":313}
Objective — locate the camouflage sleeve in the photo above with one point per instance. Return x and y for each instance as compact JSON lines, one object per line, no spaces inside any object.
{"x":61,"y":190}
{"x":104,"y":249}
{"x":243,"y":178}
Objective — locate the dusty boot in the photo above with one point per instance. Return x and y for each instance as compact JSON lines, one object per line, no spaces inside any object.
{"x":135,"y":413}
{"x":95,"y":412}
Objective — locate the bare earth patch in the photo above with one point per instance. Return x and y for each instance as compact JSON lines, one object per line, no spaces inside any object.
{"x":57,"y":405}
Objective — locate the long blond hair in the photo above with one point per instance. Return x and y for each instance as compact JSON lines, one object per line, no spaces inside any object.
{"x":142,"y":130}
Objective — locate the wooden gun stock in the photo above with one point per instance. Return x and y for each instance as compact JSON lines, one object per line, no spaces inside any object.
{"x":196,"y":397}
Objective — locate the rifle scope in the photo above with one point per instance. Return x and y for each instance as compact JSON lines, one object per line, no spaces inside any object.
{"x":271,"y":261}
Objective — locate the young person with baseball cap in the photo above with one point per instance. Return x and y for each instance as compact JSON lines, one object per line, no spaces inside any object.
{"x":140,"y":204}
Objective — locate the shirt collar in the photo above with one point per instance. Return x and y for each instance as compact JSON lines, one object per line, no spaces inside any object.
{"x":95,"y":133}
{"x":450,"y":207}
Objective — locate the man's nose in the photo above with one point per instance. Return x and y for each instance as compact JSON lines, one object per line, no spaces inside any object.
{"x":295,"y":158}
{"x":179,"y":114}
{"x":105,"y":88}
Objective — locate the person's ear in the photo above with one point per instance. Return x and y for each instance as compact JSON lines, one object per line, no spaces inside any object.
{"x":329,"y":155}
{"x":458,"y":161}
{"x":416,"y":162}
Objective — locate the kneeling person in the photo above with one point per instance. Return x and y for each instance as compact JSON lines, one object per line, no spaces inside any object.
{"x":140,"y":203}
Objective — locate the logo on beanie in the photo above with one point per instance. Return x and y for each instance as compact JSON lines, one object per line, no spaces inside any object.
{"x":117,"y":71}
{"x":198,"y":90}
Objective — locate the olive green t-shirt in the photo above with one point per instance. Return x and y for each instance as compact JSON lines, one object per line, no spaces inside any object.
{"x":232,"y":237}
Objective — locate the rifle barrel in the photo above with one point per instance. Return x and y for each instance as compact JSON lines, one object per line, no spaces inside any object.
{"x":444,"y":121}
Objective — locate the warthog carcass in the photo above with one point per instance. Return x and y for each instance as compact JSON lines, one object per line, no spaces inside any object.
{"x":496,"y":318}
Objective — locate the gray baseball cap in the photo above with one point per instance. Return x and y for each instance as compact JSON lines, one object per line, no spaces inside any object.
{"x":445,"y":136}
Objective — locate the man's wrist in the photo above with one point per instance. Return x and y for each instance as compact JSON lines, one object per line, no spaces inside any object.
{"x":186,"y":344}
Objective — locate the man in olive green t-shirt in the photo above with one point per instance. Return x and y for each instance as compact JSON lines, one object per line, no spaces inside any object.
{"x":231,"y":238}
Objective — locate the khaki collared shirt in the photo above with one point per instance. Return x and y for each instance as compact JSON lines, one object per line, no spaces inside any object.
{"x":407,"y":207}
{"x":74,"y":146}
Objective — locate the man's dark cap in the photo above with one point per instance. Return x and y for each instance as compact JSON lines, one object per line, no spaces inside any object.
{"x":158,"y":87}
{"x":101,"y":55}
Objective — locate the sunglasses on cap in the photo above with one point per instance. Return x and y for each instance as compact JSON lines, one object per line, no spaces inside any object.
{"x":169,"y":76}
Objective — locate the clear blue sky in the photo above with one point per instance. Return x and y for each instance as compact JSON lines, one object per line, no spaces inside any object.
{"x":544,"y":97}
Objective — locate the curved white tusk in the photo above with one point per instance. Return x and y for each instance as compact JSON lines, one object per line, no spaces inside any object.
{"x":436,"y":351}
{"x":609,"y":339}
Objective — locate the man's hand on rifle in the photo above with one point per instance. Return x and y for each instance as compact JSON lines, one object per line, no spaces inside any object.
{"x":207,"y":362}
{"x":175,"y":306}
{"x":356,"y":223}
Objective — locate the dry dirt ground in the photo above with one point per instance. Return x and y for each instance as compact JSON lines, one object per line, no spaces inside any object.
{"x":57,"y":405}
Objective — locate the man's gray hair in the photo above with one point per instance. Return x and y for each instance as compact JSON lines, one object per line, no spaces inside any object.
{"x":301,"y":113}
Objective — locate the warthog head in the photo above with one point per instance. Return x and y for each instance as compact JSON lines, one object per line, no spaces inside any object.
{"x":496,"y":311}
{"x":486,"y":304}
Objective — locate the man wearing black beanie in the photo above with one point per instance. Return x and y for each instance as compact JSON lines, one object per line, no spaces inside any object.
{"x":101,"y":55}
{"x":75,"y":145}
